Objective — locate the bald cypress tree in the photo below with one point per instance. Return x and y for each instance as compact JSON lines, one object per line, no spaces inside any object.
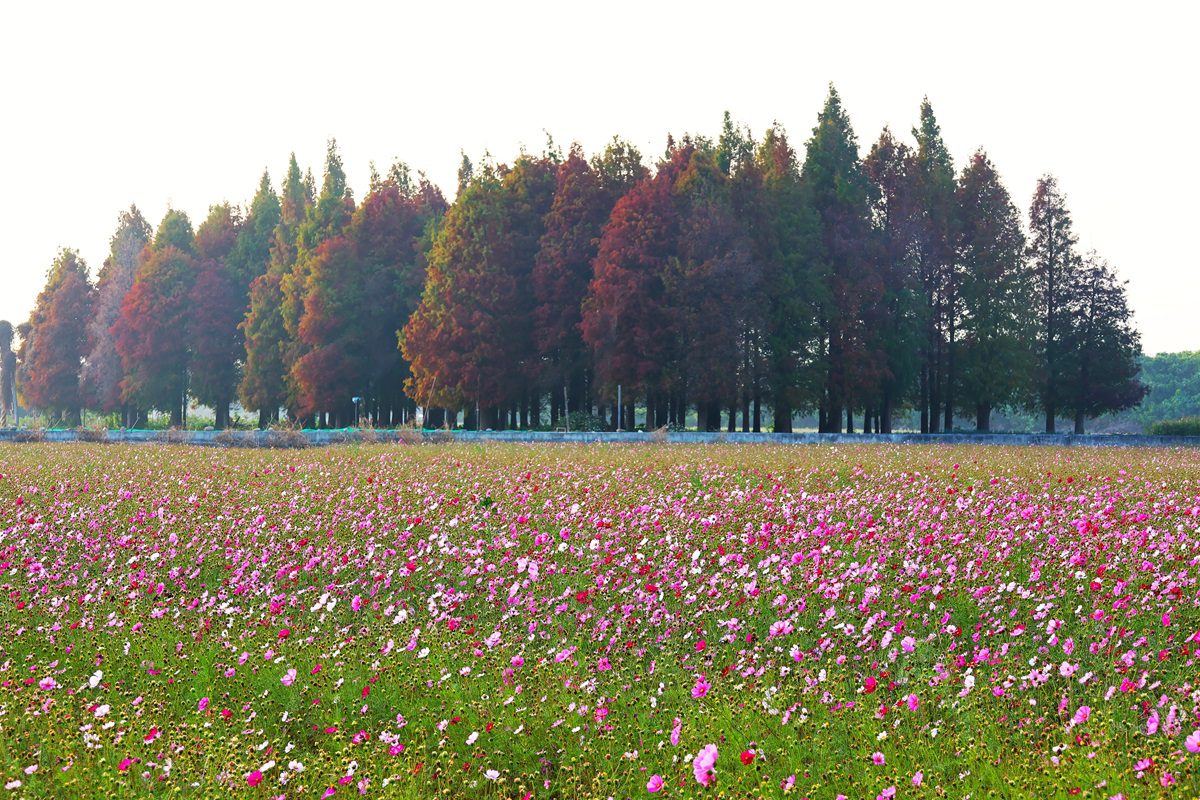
{"x":55,"y":341}
{"x":103,"y":372}
{"x":934,"y":185}
{"x":263,"y":388}
{"x":993,"y":353}
{"x":842,"y":196}
{"x":1103,"y":352}
{"x":1055,"y":264}
{"x":326,"y":218}
{"x":151,"y":332}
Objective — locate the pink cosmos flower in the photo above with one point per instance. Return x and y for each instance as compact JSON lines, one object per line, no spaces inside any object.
{"x":203,"y":704}
{"x":289,"y":678}
{"x":918,"y":778}
{"x":704,"y":764}
{"x":877,"y":759}
{"x":654,"y":784}
{"x":701,"y":688}
{"x":1192,"y":743}
{"x":356,"y":603}
{"x":1082,"y":715}
{"x":254,"y":778}
{"x":912,"y":702}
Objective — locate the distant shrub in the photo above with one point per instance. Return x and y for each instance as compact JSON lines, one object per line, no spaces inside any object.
{"x":583,"y":421}
{"x":287,"y":439}
{"x":173,"y":436}
{"x":93,"y":433}
{"x":30,"y":435}
{"x":1188,"y":426}
{"x":232,"y":438}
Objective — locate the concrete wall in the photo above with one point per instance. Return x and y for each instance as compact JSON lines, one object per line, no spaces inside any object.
{"x":330,"y":437}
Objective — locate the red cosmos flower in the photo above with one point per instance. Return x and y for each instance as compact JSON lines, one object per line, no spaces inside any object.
{"x":284,"y":633}
{"x":747,"y":757}
{"x":700,"y":645}
{"x":366,"y":691}
{"x":869,"y":685}
{"x":582,"y":596}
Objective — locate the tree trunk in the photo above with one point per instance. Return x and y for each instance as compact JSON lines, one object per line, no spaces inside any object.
{"x":983,"y":417}
{"x":1049,"y":419}
{"x":924,"y":398}
{"x":732,"y":428}
{"x":849,"y":419}
{"x":782,"y":412}
{"x":712,"y":415}
{"x":1079,"y":422}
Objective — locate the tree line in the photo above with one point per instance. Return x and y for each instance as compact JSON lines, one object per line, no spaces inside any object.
{"x":737,"y":278}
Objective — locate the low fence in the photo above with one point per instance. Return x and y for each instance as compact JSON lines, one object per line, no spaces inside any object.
{"x":318,"y":438}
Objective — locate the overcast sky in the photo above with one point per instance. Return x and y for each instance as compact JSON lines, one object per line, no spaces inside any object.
{"x":107,"y":104}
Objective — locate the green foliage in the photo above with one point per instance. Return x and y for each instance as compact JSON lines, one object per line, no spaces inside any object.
{"x":175,"y":230}
{"x":1174,"y":381}
{"x":1186,"y":426}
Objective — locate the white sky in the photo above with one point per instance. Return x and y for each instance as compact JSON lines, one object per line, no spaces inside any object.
{"x":155,"y":103}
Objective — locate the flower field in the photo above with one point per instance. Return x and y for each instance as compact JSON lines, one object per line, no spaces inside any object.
{"x":605,"y":621}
